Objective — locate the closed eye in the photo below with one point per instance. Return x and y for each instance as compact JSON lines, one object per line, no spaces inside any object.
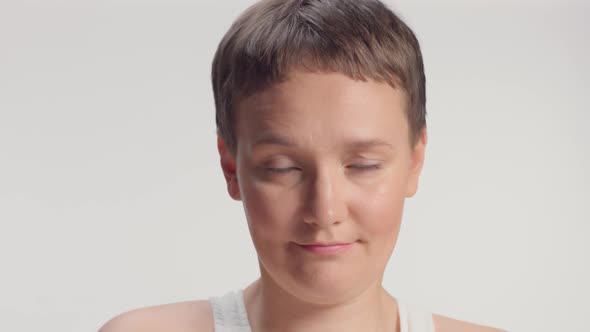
{"x":364,"y":167}
{"x":280,"y":170}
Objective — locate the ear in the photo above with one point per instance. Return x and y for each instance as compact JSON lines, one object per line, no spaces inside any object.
{"x":228,"y":165}
{"x":416,"y":163}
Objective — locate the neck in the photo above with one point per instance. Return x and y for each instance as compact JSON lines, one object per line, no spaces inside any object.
{"x":271,"y":308}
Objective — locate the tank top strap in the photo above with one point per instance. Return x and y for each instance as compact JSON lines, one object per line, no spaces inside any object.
{"x":229,"y":312}
{"x":412,"y":319}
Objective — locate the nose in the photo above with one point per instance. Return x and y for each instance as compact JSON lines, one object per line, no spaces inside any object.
{"x":325,"y":204}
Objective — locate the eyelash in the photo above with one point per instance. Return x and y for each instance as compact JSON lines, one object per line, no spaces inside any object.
{"x":365,"y":167}
{"x":355,"y":167}
{"x":280,"y":170}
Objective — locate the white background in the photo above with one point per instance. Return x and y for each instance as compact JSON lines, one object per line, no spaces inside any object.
{"x":111,"y":196}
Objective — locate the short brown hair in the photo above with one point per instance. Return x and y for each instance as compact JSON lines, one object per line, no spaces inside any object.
{"x":359,"y":38}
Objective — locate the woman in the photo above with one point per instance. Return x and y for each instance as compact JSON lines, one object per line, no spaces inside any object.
{"x":320,"y":110}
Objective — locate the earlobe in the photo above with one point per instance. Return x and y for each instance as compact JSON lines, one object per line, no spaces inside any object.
{"x":417,"y":161}
{"x":228,"y":166}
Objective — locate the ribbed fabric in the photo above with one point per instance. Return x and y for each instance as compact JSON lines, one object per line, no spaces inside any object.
{"x":413,"y":319}
{"x":229,"y":314}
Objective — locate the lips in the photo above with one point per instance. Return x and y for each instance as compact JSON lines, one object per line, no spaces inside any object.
{"x":321,"y":244}
{"x":326,"y":248}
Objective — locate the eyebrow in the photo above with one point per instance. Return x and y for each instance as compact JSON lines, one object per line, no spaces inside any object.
{"x":368,"y":143}
{"x":351,"y":143}
{"x":274,"y":140}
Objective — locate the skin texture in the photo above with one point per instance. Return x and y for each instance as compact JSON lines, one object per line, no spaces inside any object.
{"x":323,"y":158}
{"x":320,"y":158}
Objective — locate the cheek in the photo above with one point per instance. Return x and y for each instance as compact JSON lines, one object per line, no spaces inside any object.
{"x":269,"y":212}
{"x":378,"y":223}
{"x":378,"y":210}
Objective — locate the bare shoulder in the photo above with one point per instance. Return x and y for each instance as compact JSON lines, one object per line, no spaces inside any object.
{"x":447,"y":324}
{"x":194,"y":316}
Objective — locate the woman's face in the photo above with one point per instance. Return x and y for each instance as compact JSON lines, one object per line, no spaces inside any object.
{"x":322,"y":159}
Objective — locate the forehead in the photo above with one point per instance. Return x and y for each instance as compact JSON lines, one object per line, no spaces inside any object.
{"x":326,"y":106}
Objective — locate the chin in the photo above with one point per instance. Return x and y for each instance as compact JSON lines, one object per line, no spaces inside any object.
{"x":322,"y":279}
{"x":326,"y":286}
{"x":326,"y":295}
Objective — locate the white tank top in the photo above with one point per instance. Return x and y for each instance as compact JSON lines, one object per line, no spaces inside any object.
{"x":229,"y":313}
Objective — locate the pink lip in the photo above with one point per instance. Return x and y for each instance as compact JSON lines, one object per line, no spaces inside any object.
{"x":326,"y":249}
